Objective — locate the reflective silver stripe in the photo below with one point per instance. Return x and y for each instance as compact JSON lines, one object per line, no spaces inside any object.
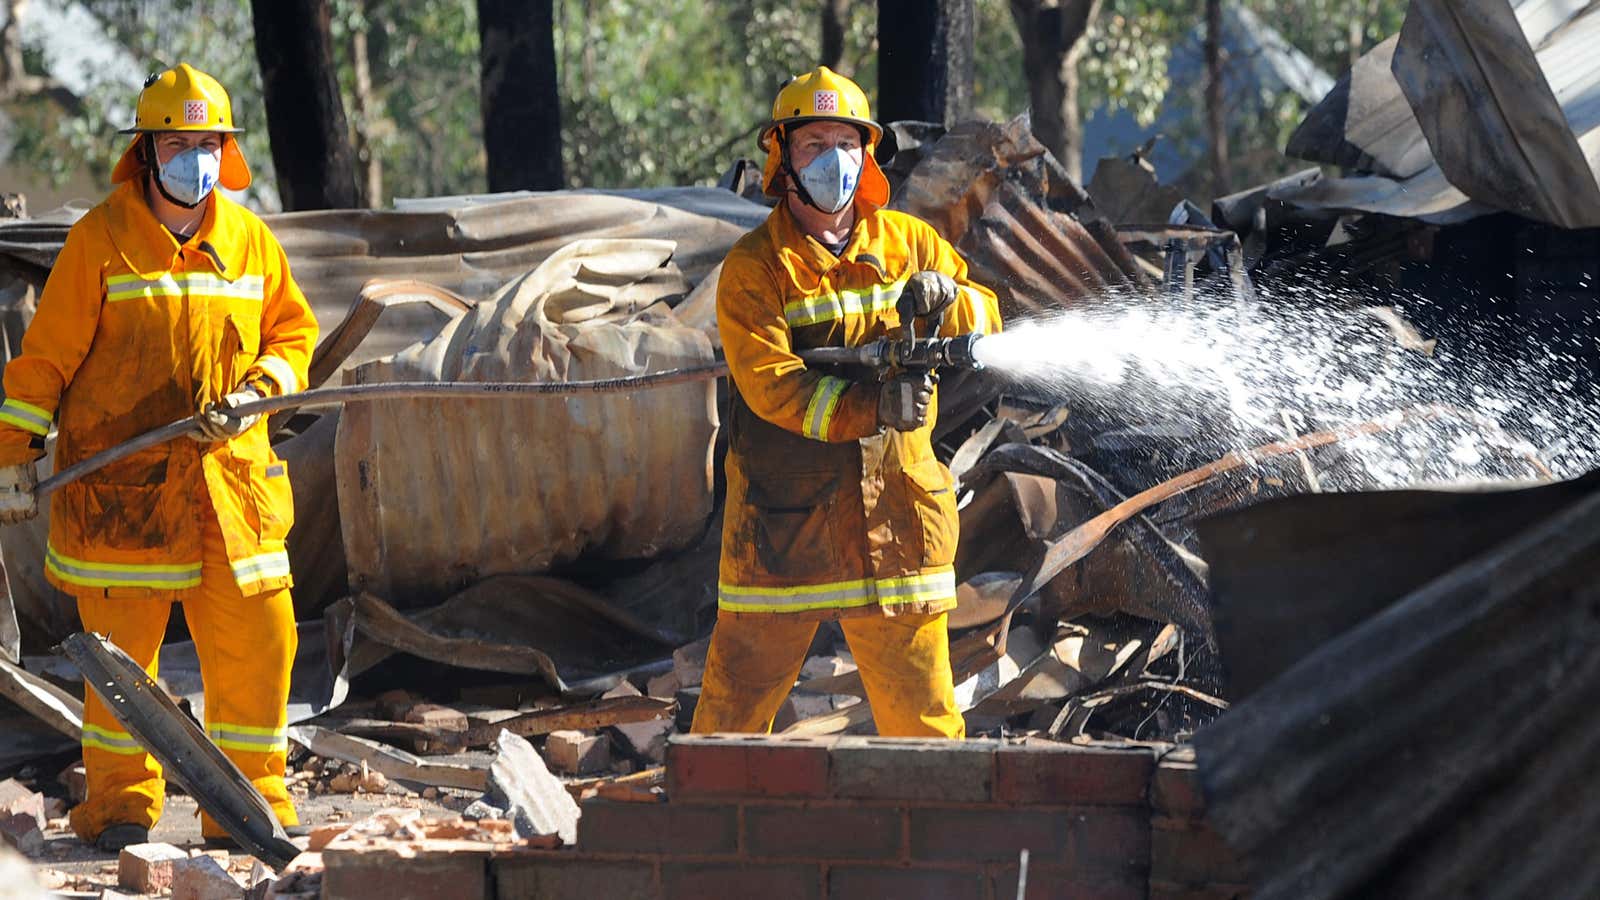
{"x":25,"y":416}
{"x":931,"y":587}
{"x":935,"y":585}
{"x":281,"y":372}
{"x":110,"y":741}
{"x":129,"y":287}
{"x":257,"y":568}
{"x":247,"y":287}
{"x":819,"y":412}
{"x":242,"y":737}
{"x":132,"y":287}
{"x":836,"y":305}
{"x":77,"y":571}
{"x":796,"y":598}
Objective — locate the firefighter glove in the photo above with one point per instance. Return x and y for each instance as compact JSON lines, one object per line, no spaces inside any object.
{"x":931,"y":292}
{"x":903,"y":401}
{"x":17,"y":500}
{"x":220,"y":423}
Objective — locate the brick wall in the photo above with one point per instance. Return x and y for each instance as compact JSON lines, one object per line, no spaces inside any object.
{"x":882,"y":819}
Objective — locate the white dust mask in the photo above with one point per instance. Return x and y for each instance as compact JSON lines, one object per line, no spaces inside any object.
{"x":190,"y":176}
{"x":831,"y":180}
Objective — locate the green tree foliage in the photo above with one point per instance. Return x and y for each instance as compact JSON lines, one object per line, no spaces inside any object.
{"x":670,"y":93}
{"x":424,"y":122}
{"x":215,"y":37}
{"x":655,"y":92}
{"x":1126,"y":68}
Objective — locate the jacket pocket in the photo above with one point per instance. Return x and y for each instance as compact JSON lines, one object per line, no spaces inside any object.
{"x":237,"y":352}
{"x":268,"y":498}
{"x":933,"y":495}
{"x":122,"y":506}
{"x":794,"y":524}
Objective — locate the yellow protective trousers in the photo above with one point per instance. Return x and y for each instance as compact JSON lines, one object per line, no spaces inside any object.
{"x":755,"y":658}
{"x":246,"y":647}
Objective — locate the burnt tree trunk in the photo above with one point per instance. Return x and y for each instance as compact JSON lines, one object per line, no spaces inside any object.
{"x":833,"y":28}
{"x":1052,"y":40}
{"x":1216,"y":120}
{"x":924,"y":60}
{"x":368,"y":112}
{"x":521,"y":97}
{"x":305,"y":115}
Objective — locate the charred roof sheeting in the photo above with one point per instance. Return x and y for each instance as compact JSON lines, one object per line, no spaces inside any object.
{"x":1522,"y":79}
{"x":1437,"y":736}
{"x":1365,"y":123}
{"x":1513,"y":125}
{"x":437,"y":494}
{"x":1037,"y":259}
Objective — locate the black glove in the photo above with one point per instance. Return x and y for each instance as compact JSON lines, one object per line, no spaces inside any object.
{"x":903,"y":402}
{"x":931,"y":293}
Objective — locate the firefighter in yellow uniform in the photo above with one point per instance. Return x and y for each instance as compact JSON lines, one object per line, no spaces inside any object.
{"x":837,"y":508}
{"x":168,"y":300}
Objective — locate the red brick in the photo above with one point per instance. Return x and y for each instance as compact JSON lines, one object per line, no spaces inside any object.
{"x":365,"y":875}
{"x":702,"y":881}
{"x":547,"y":878}
{"x":718,"y":765}
{"x":1184,"y":854}
{"x":1063,"y":774}
{"x":607,"y":826}
{"x":1067,"y":883}
{"x":826,"y":833}
{"x":147,"y":868}
{"x":1175,"y":790}
{"x":902,"y":883}
{"x":1110,"y":840}
{"x":76,"y":780}
{"x":204,"y":878}
{"x":577,"y":753}
{"x":435,"y":716}
{"x":22,"y":819}
{"x":926,"y":770}
{"x":989,"y":835}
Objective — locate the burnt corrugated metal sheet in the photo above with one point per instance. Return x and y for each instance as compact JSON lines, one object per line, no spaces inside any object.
{"x":1426,"y":196}
{"x":469,"y":245}
{"x":434,"y":496}
{"x":1027,"y":230}
{"x":1421,"y":684}
{"x":1513,"y":121}
{"x":1035,"y":259}
{"x":1365,"y":123}
{"x":1474,"y":107}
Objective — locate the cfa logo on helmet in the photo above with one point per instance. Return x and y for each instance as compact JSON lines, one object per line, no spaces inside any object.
{"x":825,"y":101}
{"x":194,"y":112}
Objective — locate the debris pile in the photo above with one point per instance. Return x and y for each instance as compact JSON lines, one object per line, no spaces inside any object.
{"x":505,"y":601}
{"x":566,"y":604}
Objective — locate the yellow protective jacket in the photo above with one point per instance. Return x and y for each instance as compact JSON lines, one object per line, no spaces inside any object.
{"x":134,"y":331}
{"x":829,"y":515}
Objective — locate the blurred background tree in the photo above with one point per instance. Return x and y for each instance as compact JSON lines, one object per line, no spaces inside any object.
{"x":668,"y":91}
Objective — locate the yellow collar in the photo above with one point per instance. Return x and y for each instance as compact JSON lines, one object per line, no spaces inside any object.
{"x":149,"y":248}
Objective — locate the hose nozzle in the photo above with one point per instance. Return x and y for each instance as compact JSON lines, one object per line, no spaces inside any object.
{"x":920,"y":355}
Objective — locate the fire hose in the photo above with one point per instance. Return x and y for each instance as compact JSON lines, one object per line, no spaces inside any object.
{"x":397,"y":390}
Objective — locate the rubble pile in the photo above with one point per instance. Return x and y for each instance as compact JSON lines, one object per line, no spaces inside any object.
{"x":577,"y":623}
{"x":525,"y":628}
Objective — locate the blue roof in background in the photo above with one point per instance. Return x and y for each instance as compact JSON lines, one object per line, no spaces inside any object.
{"x":1259,"y":62}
